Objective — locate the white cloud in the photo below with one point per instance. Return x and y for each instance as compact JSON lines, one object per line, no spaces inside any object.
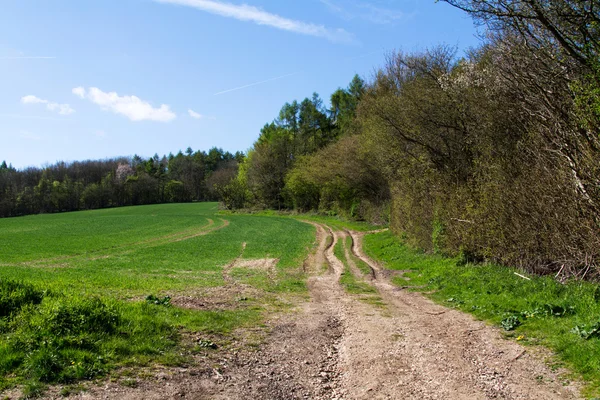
{"x":195,"y":115}
{"x":245,"y":12}
{"x":62,"y":109}
{"x":132,"y":107}
{"x":337,"y":9}
{"x":79,"y":92}
{"x":32,"y":100}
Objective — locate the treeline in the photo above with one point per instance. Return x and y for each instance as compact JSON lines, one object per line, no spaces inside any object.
{"x":494,"y":155}
{"x":310,"y":158}
{"x":193,"y":176}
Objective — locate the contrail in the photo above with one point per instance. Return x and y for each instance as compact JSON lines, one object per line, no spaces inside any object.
{"x":292,"y":74}
{"x":34,"y":117}
{"x":256,"y":83}
{"x":27,"y":58}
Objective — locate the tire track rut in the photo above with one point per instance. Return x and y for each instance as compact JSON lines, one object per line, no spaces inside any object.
{"x":338,"y":347}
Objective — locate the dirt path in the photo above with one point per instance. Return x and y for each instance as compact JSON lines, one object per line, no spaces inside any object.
{"x":338,"y":347}
{"x":426,"y":351}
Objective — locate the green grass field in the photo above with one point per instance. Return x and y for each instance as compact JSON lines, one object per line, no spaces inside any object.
{"x":74,"y":289}
{"x":73,"y":286}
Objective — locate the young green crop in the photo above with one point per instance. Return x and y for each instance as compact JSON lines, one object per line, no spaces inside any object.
{"x":104,"y":252}
{"x":73,"y":286}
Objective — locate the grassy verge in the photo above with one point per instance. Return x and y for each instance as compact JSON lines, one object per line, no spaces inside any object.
{"x":350,"y":282}
{"x":360,"y":264}
{"x":540,"y":311}
{"x":50,"y":337}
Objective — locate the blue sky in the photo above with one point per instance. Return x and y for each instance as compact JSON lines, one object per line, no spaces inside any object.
{"x":91,"y":79}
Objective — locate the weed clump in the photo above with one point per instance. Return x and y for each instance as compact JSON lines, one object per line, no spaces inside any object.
{"x":587,"y":331}
{"x":55,"y":338}
{"x":511,"y":323}
{"x":159,"y":301}
{"x":15,"y":295}
{"x":60,"y":339}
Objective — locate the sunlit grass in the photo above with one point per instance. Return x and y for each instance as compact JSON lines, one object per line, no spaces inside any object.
{"x":96,"y":265}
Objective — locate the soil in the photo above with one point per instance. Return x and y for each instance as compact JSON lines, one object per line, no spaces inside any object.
{"x":335,"y":346}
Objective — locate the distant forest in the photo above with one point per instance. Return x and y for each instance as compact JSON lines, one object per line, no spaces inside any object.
{"x":86,"y":185}
{"x":491,"y":155}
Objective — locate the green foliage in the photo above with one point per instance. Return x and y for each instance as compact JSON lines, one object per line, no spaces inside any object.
{"x":64,"y":338}
{"x":175,"y":192}
{"x":472,"y":173}
{"x":550,"y":310}
{"x":302,"y":129}
{"x":116,"y":182}
{"x":271,"y":158}
{"x":339,"y":179}
{"x":59,"y":339}
{"x":510,"y":323}
{"x":344,"y":103}
{"x":303,"y":191}
{"x":587,"y":331}
{"x":587,"y":98}
{"x":235,"y":195}
{"x":597,"y":295}
{"x":437,"y":236}
{"x":159,"y":301}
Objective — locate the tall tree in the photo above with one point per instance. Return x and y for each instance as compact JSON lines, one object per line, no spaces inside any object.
{"x":573,"y":25}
